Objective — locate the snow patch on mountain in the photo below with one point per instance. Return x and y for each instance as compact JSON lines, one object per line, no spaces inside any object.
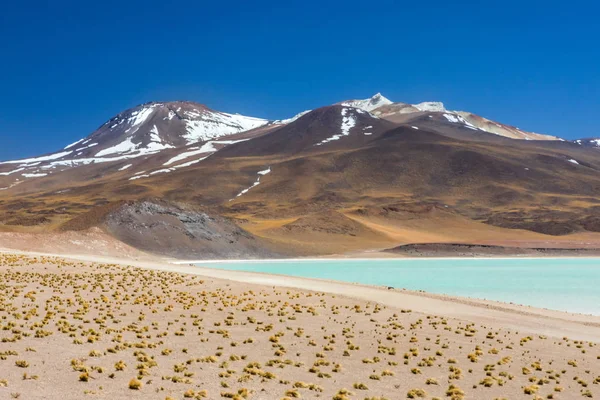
{"x":12,"y":172}
{"x":348,"y":122}
{"x":457,"y":119}
{"x":133,"y":178}
{"x":126,"y":146}
{"x":369,"y":104}
{"x":156,"y":143}
{"x":73,"y":144}
{"x":154,"y":135}
{"x":54,"y":156}
{"x":192,"y":153}
{"x":86,"y":147}
{"x":207,"y":147}
{"x":140,"y":116}
{"x":76,"y":162}
{"x":379,"y":100}
{"x":187,"y":164}
{"x":256,"y":183}
{"x":431,"y":106}
{"x":290,"y":120}
{"x":155,"y":147}
{"x":166,"y":170}
{"x":213,"y":125}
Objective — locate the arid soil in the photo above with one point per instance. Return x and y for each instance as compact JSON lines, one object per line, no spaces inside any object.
{"x":74,"y":329}
{"x":93,"y":241}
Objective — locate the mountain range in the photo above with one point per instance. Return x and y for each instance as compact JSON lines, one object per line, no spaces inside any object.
{"x":358,"y":175}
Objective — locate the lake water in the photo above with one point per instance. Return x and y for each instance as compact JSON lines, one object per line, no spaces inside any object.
{"x":560,"y":284}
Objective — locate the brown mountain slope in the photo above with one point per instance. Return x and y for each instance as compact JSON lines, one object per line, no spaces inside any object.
{"x":300,"y":188}
{"x":401,"y":162}
{"x":400,"y":112}
{"x":326,"y":128}
{"x":319,"y":233}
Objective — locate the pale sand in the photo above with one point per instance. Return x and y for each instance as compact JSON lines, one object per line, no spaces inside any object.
{"x":179,"y":330}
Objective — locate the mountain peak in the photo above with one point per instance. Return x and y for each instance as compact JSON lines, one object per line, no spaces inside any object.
{"x":143,"y":130}
{"x":369,"y":104}
{"x":433,"y":106}
{"x":379,"y":97}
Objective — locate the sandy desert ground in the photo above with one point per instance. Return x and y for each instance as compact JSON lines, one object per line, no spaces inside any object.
{"x":74,"y":329}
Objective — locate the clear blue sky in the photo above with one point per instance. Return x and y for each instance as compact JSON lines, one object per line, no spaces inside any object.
{"x":68,"y":66}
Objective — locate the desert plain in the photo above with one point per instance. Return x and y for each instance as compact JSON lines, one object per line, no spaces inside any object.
{"x":75,"y":329}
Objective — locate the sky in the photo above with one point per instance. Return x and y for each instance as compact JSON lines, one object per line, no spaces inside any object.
{"x":66,"y":67}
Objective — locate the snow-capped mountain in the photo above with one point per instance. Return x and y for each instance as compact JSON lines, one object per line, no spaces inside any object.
{"x":340,"y":156}
{"x":185,"y":133}
{"x":384,"y":108}
{"x":140,"y":131}
{"x":171,"y":124}
{"x":380,"y":105}
{"x":368,"y":104}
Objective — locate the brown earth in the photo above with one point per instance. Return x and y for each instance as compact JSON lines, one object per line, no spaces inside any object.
{"x":399,"y":185}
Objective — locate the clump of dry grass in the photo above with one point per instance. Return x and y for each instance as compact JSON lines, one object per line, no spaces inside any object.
{"x":531,"y":389}
{"x":135,"y":384}
{"x":455,"y":393}
{"x":416,"y":393}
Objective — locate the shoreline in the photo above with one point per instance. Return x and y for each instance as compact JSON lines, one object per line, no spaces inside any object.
{"x":396,"y":258}
{"x":498,"y":304}
{"x":518,"y":317}
{"x":179,"y":331}
{"x":471,"y":309}
{"x":361,"y":256}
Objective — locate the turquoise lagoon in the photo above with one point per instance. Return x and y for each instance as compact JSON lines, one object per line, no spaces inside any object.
{"x":566,"y":284}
